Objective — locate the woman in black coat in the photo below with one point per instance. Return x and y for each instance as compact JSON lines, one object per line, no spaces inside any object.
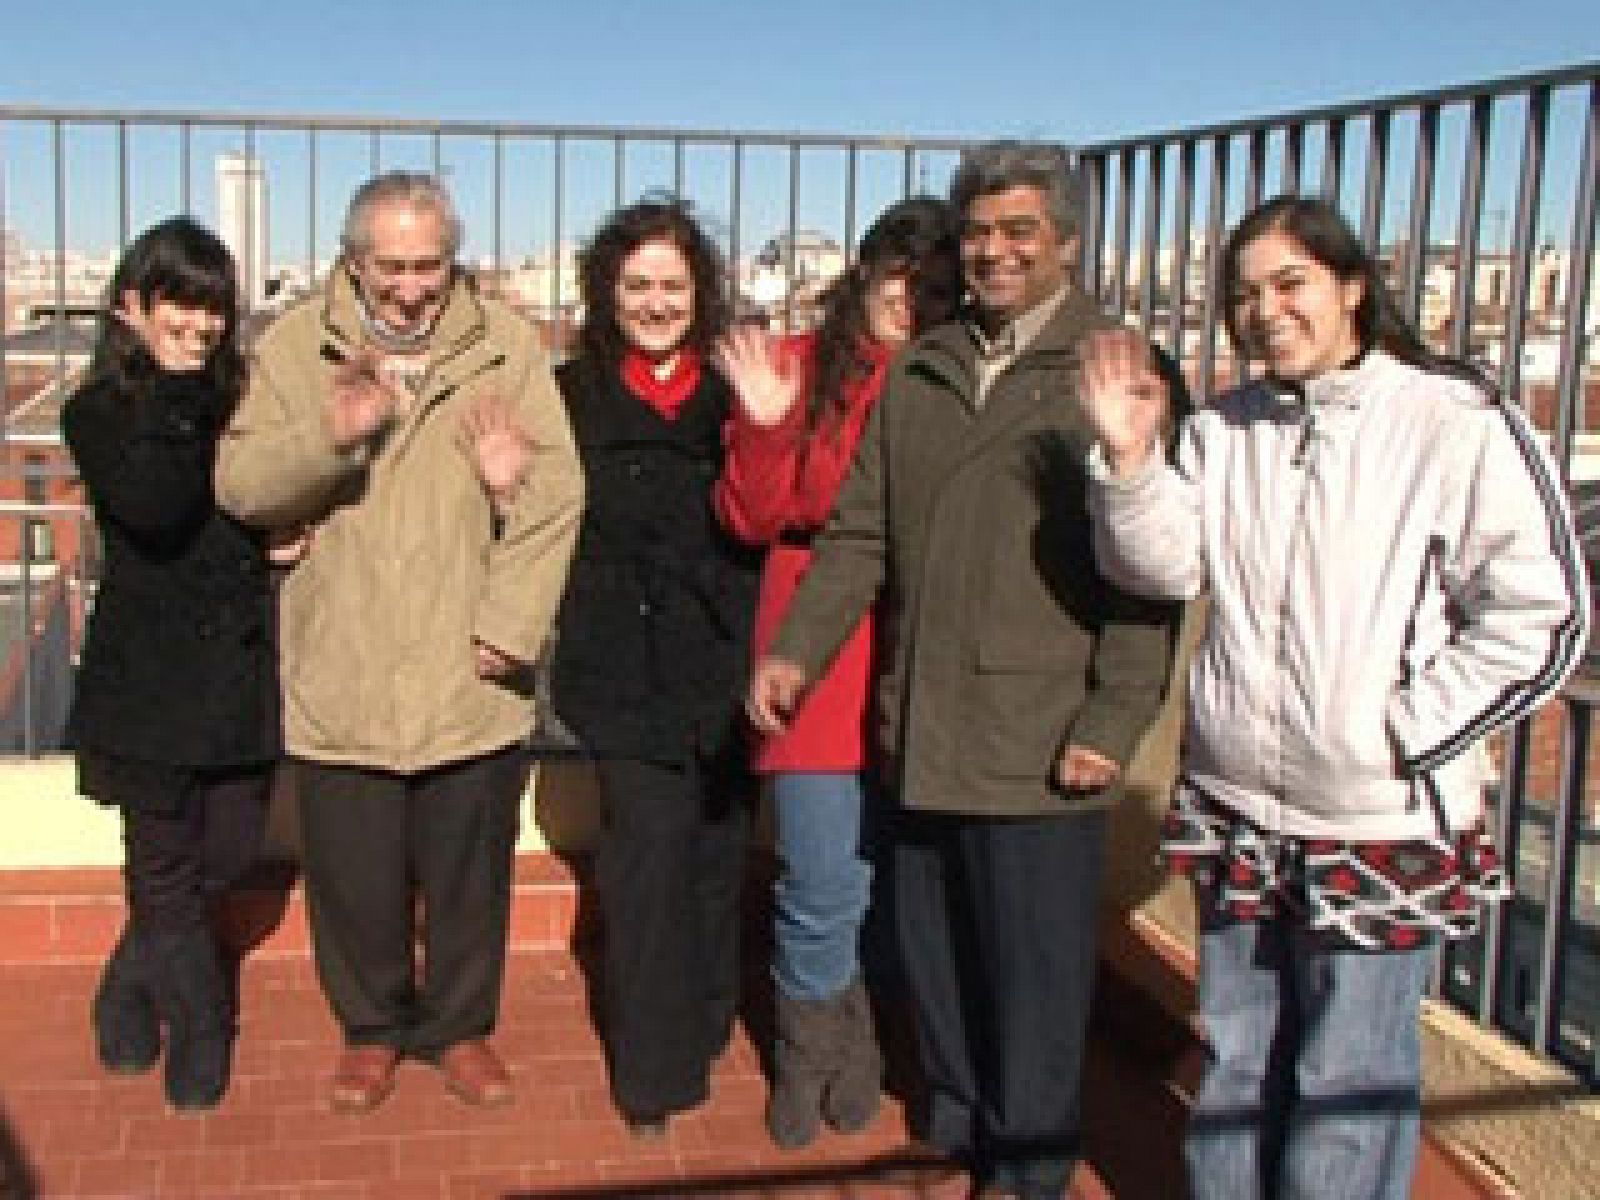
{"x":174,"y":717}
{"x":652,"y":652}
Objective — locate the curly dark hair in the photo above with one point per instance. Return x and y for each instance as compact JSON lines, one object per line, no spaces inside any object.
{"x":182,"y":262}
{"x":601,"y":344}
{"x":917,"y":238}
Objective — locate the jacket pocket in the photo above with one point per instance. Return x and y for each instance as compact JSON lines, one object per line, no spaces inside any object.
{"x":1039,"y":596}
{"x":1018,"y":720}
{"x":1355,"y":747}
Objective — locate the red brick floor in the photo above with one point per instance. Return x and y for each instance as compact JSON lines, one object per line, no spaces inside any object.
{"x":82,"y":1133}
{"x":69,"y":1130}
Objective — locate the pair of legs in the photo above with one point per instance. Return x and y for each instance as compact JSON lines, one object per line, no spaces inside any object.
{"x":373,"y":843}
{"x":187,"y":838}
{"x":997,"y":920}
{"x":1312,"y":1083}
{"x":179,"y":860}
{"x":826,"y":1060}
{"x":670,"y":868}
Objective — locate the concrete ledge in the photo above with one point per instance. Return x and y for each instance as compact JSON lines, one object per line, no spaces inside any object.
{"x":44,"y":823}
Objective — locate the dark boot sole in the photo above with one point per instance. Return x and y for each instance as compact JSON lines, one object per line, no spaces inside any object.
{"x":128,"y":1066}
{"x":195,"y":1107}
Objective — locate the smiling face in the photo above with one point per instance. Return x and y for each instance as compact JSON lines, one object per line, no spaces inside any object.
{"x":1291,"y":311}
{"x":404,"y":272}
{"x":655,"y":298}
{"x":180,"y":337}
{"x":890,"y":308}
{"x":1012,"y":255}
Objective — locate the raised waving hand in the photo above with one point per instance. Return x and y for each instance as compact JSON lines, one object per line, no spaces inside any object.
{"x":497,"y":446}
{"x":768,"y":388}
{"x":1123,"y":396}
{"x":362,"y":401}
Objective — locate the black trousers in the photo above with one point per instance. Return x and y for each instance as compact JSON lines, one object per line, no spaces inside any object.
{"x":670,"y":867}
{"x":374,"y":843}
{"x":180,"y":858}
{"x":997,"y":920}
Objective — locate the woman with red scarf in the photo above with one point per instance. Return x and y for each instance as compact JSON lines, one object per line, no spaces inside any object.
{"x":652,"y":651}
{"x":787,"y":458}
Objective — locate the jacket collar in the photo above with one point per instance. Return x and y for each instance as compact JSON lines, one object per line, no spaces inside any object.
{"x":1345,"y":387}
{"x":949,"y":351}
{"x":462,"y":324}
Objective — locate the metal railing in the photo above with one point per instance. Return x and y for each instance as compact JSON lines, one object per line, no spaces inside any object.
{"x":77,"y":184}
{"x":75,"y":179}
{"x":1474,"y":301}
{"x":1481,"y":201}
{"x":46,"y":575}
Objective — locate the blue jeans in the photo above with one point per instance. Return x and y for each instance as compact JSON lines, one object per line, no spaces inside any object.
{"x":824,"y":883}
{"x":1312,"y":1083}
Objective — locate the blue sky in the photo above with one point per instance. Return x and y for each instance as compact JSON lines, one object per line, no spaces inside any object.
{"x":1025,"y":68}
{"x":1048,"y":67}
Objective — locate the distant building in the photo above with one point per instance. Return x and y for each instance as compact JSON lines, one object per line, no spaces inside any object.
{"x":242,"y":221}
{"x":786,"y":279}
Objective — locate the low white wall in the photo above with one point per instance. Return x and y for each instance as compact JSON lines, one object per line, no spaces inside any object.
{"x":45,"y":823}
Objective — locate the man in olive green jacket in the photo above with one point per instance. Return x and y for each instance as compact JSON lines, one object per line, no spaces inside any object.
{"x":412,"y":430}
{"x":1015,"y":681}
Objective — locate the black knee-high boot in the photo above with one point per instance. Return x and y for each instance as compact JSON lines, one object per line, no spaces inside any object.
{"x":191,"y":995}
{"x":127,"y":1032}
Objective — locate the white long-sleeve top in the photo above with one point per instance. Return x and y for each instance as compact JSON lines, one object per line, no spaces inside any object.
{"x":1392,"y":575}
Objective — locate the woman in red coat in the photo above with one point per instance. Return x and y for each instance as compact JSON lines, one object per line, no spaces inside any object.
{"x":803,"y":403}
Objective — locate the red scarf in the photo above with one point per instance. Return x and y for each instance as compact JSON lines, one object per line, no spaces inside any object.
{"x":667,"y":396}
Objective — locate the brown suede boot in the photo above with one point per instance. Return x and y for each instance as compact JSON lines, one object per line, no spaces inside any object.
{"x":850,"y":1100}
{"x":803,"y":1061}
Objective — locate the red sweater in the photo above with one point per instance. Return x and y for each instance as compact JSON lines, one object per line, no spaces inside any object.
{"x":782,"y":480}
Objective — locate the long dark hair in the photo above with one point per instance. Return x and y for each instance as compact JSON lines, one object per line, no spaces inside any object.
{"x":182,"y":262}
{"x":916,"y":238}
{"x":1319,"y":229}
{"x":601,"y":344}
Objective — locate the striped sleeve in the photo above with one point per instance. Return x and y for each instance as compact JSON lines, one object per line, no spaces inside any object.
{"x":1520,"y":596}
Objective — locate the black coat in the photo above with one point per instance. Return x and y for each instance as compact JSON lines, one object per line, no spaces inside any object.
{"x":178,"y":667}
{"x":653,"y":640}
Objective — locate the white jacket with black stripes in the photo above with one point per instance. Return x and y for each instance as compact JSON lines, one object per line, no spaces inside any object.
{"x":1392,"y":575}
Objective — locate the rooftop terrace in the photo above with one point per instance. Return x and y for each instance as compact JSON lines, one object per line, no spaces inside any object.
{"x":1480,"y":199}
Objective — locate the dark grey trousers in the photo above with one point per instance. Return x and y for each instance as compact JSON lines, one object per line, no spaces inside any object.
{"x":375,"y":843}
{"x":670,"y":866}
{"x":178,"y":862}
{"x":997,"y":921}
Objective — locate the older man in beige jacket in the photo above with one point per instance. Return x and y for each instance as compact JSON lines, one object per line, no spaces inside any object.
{"x":420,"y":594}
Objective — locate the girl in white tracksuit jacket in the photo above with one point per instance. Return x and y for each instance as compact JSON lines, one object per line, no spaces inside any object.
{"x":1392,"y":575}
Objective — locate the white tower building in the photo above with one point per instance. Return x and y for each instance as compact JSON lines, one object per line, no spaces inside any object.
{"x":242,"y":221}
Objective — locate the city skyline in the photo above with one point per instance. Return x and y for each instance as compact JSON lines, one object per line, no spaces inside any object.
{"x":892,"y":69}
{"x":597,"y":171}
